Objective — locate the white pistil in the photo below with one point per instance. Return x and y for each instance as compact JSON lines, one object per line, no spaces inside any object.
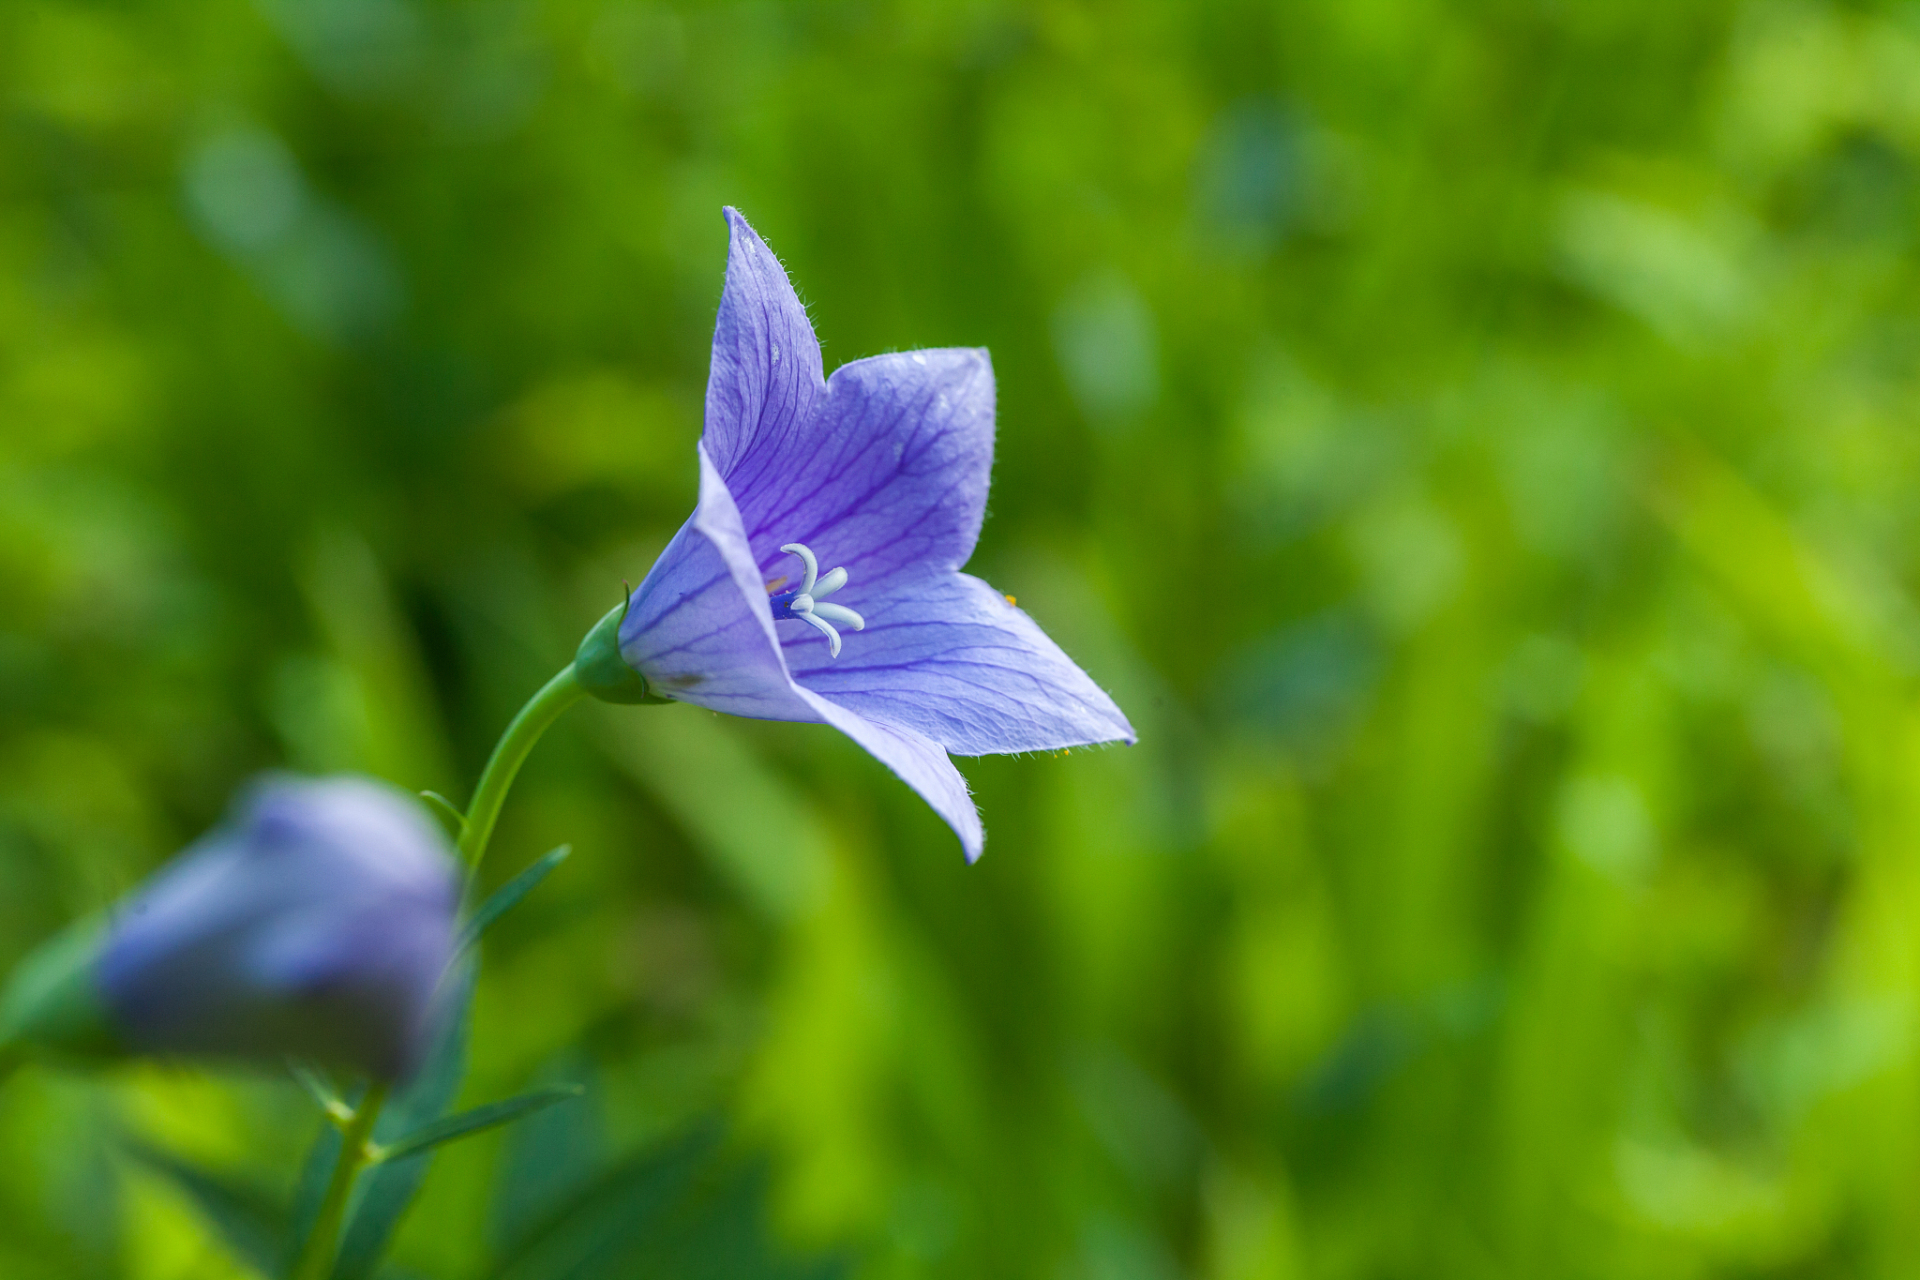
{"x":807,"y":605}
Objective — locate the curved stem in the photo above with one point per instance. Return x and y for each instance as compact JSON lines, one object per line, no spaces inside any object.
{"x":541,"y":711}
{"x":317,"y":1253}
{"x":316,"y":1257}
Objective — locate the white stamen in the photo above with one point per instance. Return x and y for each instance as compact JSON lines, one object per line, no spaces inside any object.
{"x":807,"y":605}
{"x":825,"y":628}
{"x":806,"y":558}
{"x":839,"y":615}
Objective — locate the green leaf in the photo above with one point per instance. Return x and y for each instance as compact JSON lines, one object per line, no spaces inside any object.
{"x":315,"y":1171}
{"x":51,"y":1003}
{"x":686,"y":1210}
{"x":321,"y":1090}
{"x":449,"y":812}
{"x":247,"y":1220}
{"x":466,"y":1123}
{"x":549,"y":1156}
{"x":625,"y":1205}
{"x":508,"y":895}
{"x":387,"y":1190}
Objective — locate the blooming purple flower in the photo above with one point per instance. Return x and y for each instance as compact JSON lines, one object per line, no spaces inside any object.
{"x":880,"y":470}
{"x":317,"y":925}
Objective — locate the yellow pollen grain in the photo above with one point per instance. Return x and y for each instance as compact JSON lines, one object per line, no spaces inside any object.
{"x":1010,"y":600}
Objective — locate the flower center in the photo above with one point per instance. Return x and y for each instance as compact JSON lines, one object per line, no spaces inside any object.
{"x":806,"y":602}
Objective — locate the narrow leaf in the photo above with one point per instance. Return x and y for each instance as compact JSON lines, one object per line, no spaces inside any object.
{"x":320,"y":1090}
{"x":247,"y":1221}
{"x":315,"y":1172}
{"x":508,"y":895}
{"x":628,"y":1203}
{"x":689,"y":1207}
{"x":448,"y":811}
{"x":550,"y":1156}
{"x":386,"y":1190}
{"x":467,"y":1123}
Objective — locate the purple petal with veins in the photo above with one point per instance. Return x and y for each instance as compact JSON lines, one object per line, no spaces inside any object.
{"x":882,"y":471}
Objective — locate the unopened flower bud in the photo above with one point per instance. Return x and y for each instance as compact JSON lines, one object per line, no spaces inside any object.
{"x":318,"y":924}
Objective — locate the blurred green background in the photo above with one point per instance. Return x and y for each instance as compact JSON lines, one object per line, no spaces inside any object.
{"x":1476,"y":442}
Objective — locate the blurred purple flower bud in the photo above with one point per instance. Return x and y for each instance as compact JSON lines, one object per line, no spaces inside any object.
{"x":318,"y":925}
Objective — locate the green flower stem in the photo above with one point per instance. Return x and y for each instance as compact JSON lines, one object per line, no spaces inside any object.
{"x":559,"y":693}
{"x":316,"y":1256}
{"x":541,"y":710}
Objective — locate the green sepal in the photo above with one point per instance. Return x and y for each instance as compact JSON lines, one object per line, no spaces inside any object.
{"x":52,"y":1005}
{"x":601,"y":670}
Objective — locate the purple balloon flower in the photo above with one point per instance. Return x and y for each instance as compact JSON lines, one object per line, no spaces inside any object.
{"x":880,"y":470}
{"x":318,"y":925}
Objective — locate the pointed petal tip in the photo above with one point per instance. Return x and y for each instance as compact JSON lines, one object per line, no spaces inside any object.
{"x":739,"y":229}
{"x":1118,"y":729}
{"x":978,"y":360}
{"x":743,"y":242}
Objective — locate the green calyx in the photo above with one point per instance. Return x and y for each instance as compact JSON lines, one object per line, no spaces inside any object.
{"x":602,"y":672}
{"x":51,"y":1004}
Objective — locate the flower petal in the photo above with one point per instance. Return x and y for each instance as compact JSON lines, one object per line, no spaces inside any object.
{"x":917,"y":761}
{"x":766,"y":364}
{"x":889,"y":478}
{"x":882,"y":469}
{"x":699,"y":629}
{"x":950,"y":657}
